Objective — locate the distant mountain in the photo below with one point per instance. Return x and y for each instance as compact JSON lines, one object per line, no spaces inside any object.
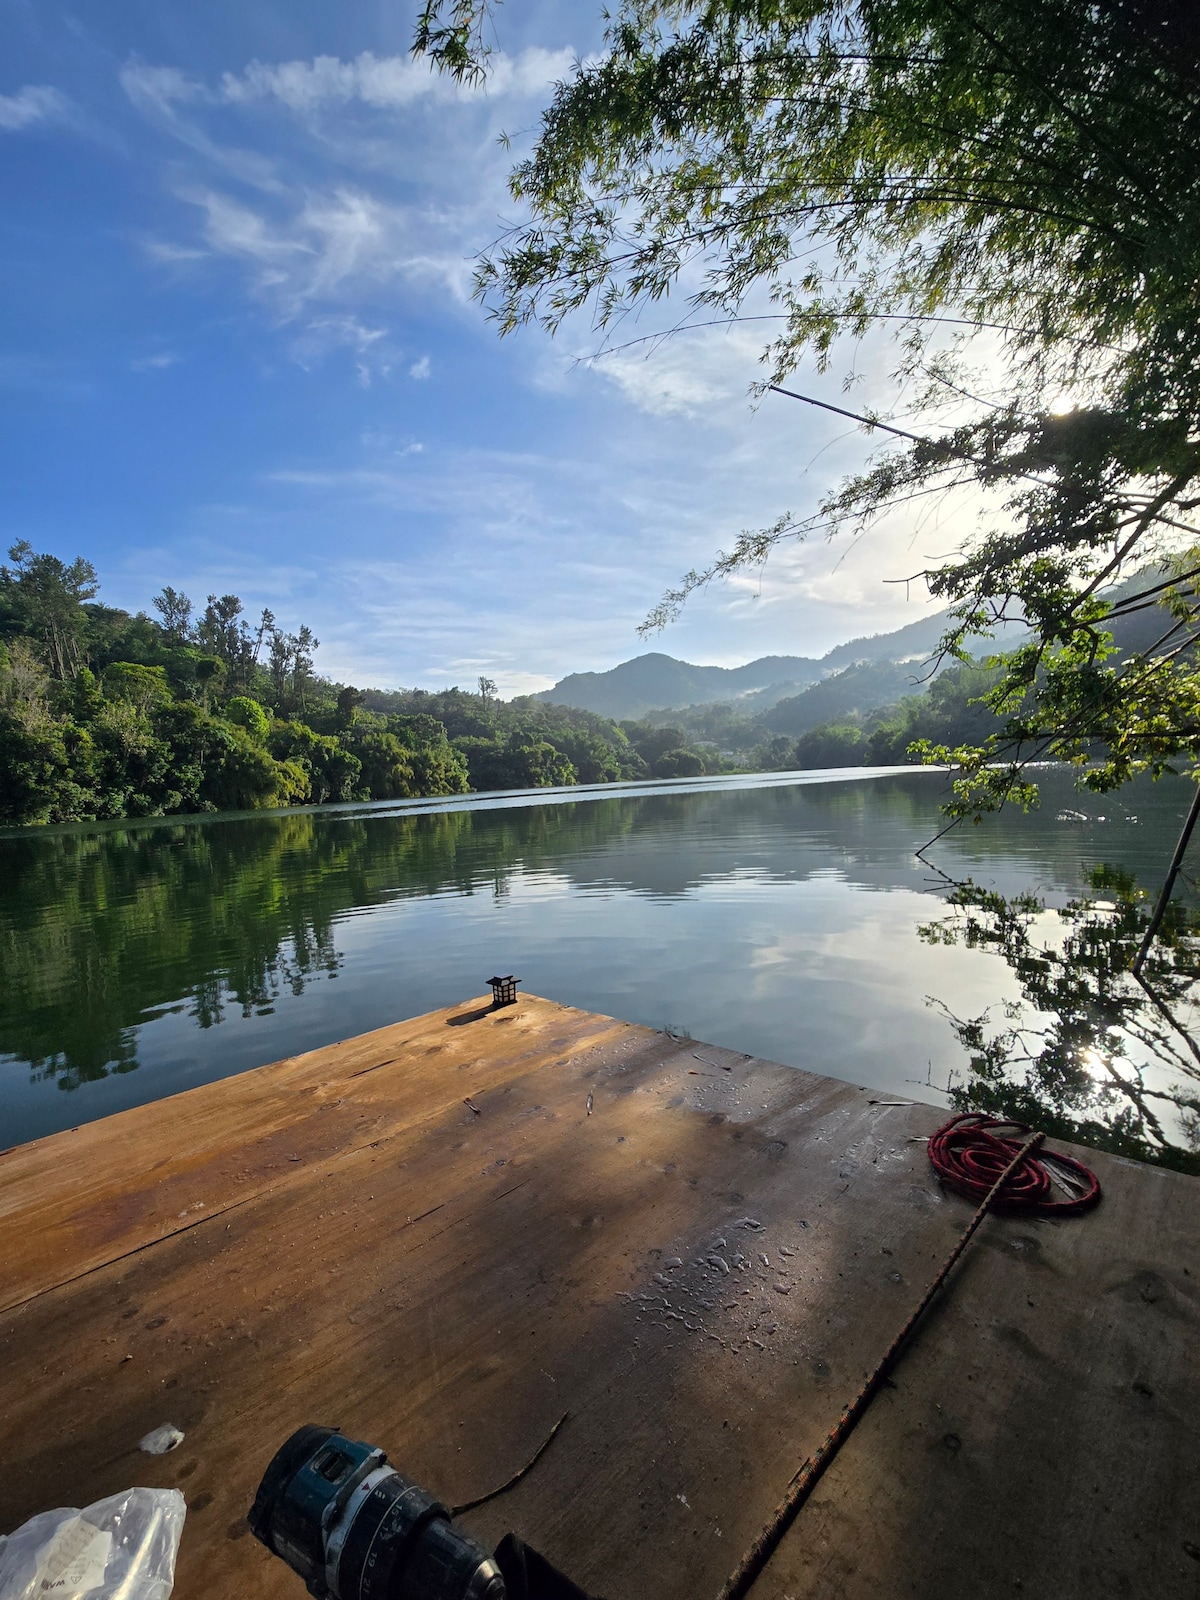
{"x":649,"y":681}
{"x":854,"y":690}
{"x":915,"y":640}
{"x":656,"y":681}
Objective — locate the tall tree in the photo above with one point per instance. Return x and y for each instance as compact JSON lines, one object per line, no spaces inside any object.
{"x":1021,"y":172}
{"x":175,"y":609}
{"x":45,"y":597}
{"x":222,"y":631}
{"x":290,"y":663}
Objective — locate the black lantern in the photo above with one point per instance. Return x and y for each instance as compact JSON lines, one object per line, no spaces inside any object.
{"x":504,"y":990}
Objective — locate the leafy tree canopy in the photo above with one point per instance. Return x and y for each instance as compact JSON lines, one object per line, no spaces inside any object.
{"x":44,"y":597}
{"x":103,"y":714}
{"x":1015,"y":177}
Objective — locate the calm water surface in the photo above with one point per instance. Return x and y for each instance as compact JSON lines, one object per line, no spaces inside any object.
{"x":775,"y":915}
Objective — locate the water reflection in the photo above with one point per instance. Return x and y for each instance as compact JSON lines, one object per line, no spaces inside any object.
{"x":1088,"y":1052}
{"x":775,"y":918}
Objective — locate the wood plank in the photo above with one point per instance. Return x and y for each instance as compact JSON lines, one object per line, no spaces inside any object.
{"x":447,"y":1283}
{"x":107,"y":1188}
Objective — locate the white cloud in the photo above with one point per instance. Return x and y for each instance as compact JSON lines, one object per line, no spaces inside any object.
{"x":322,"y":335}
{"x":233,"y":229}
{"x":357,"y":219}
{"x":664,"y":387}
{"x":160,"y":89}
{"x":352,"y":226}
{"x":388,"y":83}
{"x":170,"y":254}
{"x":154,"y":363}
{"x":159,"y":93}
{"x":686,"y":373}
{"x":35,"y":103}
{"x":327,"y":249}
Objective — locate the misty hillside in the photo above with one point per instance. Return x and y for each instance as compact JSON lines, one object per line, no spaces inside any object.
{"x":792,"y":694}
{"x":654,"y":681}
{"x":854,"y":691}
{"x":915,"y":640}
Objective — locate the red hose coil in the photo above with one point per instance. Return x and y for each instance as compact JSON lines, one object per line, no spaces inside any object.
{"x":971,"y":1151}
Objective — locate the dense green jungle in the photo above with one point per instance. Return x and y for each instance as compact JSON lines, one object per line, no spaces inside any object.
{"x":106,"y":714}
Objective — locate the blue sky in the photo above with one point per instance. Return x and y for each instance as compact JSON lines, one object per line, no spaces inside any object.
{"x":239,"y":353}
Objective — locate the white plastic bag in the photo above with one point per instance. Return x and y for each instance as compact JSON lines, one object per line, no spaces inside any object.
{"x":122,"y":1548}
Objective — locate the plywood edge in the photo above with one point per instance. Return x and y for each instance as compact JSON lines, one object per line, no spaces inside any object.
{"x":340,"y":1061}
{"x":77,"y":1201}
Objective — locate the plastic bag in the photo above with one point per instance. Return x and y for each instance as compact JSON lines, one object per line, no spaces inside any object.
{"x":122,"y":1548}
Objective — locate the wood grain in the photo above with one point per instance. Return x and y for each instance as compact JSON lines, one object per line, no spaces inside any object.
{"x":699,"y":1265}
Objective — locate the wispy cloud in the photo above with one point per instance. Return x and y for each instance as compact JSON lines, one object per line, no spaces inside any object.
{"x":388,"y":83}
{"x":170,"y":254}
{"x":381,"y":83}
{"x":345,"y":200}
{"x":331,"y":249}
{"x":165,"y":95}
{"x":154,"y":363}
{"x":35,"y":103}
{"x":321,"y":232}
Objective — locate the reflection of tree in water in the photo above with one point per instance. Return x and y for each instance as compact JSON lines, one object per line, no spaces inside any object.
{"x":105,"y":932}
{"x":266,"y":974}
{"x":102,"y":932}
{"x":1090,"y":1052}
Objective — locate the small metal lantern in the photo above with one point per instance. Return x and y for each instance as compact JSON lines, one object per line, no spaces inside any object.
{"x":504,"y":990}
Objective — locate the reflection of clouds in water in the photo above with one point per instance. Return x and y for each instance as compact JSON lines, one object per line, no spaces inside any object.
{"x":870,"y":965}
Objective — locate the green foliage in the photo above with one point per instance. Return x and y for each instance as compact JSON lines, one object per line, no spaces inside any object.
{"x":518,"y":760}
{"x":978,"y":160}
{"x":247,"y":713}
{"x":1010,"y":177}
{"x":833,"y":744}
{"x":348,"y":701}
{"x":437,"y":768}
{"x":669,"y":752}
{"x":103,"y":714}
{"x":521,"y":743}
{"x":330,"y":771}
{"x":141,"y":686}
{"x":34,"y":762}
{"x":679,"y":764}
{"x":43,"y":597}
{"x":169,"y":716}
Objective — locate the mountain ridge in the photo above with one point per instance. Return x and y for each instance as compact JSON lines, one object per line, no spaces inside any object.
{"x":656,"y":681}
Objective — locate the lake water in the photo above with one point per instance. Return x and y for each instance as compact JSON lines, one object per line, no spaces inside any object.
{"x":776,"y":915}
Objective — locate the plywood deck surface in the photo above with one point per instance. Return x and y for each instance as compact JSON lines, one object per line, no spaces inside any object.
{"x":698,"y":1264}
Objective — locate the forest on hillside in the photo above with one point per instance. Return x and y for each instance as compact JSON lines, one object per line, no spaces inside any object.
{"x":860,"y":716}
{"x":106,"y":713}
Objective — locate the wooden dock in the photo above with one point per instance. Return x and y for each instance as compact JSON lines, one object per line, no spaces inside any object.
{"x":443,"y":1235}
